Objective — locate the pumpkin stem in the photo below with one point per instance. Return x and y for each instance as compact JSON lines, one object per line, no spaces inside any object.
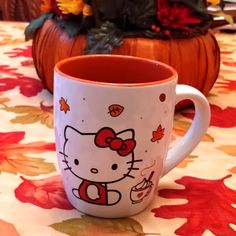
{"x":96,"y":14}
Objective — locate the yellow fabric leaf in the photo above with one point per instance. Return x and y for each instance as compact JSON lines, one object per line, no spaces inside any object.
{"x":32,"y":114}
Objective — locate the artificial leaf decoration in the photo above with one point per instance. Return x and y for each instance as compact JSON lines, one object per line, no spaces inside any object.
{"x":36,"y":24}
{"x":71,"y":27}
{"x":7,"y":229}
{"x":227,"y":17}
{"x":64,"y":106}
{"x":46,"y":193}
{"x":158,"y":134}
{"x":32,"y":114}
{"x":14,"y":157}
{"x":103,"y":39}
{"x":210,"y":199}
{"x":87,"y":226}
{"x":115,"y":110}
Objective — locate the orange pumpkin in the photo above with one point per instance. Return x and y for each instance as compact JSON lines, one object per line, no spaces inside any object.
{"x":197,"y":60}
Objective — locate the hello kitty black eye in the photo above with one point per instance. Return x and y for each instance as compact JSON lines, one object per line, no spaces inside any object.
{"x":114,"y":166}
{"x":76,"y":161}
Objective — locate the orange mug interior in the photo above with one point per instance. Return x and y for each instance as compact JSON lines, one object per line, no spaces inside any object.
{"x":115,"y":69}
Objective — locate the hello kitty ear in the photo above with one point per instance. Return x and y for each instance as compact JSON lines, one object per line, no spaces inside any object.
{"x":126,"y":134}
{"x":70,"y":131}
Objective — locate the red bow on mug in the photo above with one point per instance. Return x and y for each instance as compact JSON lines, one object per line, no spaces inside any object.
{"x":106,"y":137}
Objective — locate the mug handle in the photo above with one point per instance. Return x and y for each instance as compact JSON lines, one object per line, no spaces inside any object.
{"x":197,"y":129}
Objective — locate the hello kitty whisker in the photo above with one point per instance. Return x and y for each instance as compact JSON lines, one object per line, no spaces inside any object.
{"x":65,"y":161}
{"x":68,"y":168}
{"x":62,"y":153}
{"x":133,"y":168}
{"x":127,"y":175}
{"x":133,"y":161}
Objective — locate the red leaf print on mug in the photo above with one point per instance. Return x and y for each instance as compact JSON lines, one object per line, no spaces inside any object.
{"x":208,"y":206}
{"x":158,"y":134}
{"x":46,"y":193}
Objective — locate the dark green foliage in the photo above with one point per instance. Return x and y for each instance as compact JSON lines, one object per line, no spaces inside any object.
{"x":103,"y":39}
{"x":36,"y":24}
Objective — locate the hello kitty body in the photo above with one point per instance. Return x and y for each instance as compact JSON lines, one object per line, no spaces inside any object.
{"x":110,"y":158}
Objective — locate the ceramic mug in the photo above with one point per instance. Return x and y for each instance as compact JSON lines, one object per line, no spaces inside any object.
{"x":113,"y":124}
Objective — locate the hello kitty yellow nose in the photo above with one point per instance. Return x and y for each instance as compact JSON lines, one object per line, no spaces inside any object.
{"x":94,"y":170}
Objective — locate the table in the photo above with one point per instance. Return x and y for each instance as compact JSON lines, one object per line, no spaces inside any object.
{"x":196,"y":198}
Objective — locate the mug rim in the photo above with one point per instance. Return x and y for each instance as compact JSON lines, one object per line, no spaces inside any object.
{"x":173,"y":77}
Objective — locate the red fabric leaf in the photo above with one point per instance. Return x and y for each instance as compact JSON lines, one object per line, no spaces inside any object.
{"x":6,"y":70}
{"x":229,"y":63}
{"x":28,"y":86}
{"x":224,"y":118}
{"x":209,"y":206}
{"x":229,"y":85}
{"x":20,"y":52}
{"x":7,"y":139}
{"x":15,"y":157}
{"x":46,"y":193}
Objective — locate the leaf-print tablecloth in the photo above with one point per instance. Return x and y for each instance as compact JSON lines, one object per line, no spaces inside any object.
{"x":196,"y":198}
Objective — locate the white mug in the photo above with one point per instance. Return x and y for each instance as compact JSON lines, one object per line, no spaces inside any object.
{"x":113,"y":119}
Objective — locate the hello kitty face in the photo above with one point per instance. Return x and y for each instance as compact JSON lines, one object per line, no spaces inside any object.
{"x":104,"y":156}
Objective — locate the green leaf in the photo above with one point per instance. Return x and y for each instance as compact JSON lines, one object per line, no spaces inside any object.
{"x":88,"y":225}
{"x":227,"y":17}
{"x":36,"y":24}
{"x":71,"y":27}
{"x":102,"y":40}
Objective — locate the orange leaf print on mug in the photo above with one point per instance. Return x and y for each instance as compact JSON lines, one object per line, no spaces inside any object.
{"x":115,"y":110}
{"x":64,"y":106}
{"x":158,"y":134}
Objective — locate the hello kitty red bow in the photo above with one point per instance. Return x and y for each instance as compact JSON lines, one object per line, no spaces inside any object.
{"x":106,"y":137}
